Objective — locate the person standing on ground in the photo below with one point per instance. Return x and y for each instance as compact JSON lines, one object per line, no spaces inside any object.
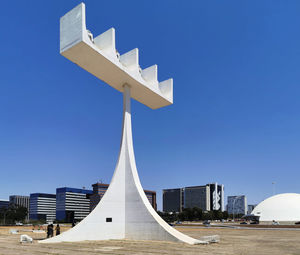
{"x":51,"y":230}
{"x":57,"y":229}
{"x":48,"y":231}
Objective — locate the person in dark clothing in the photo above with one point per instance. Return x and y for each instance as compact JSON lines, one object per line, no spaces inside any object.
{"x":48,"y":230}
{"x":57,"y":229}
{"x":51,"y":230}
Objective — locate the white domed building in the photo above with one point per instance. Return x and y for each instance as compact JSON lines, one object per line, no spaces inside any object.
{"x":281,"y":208}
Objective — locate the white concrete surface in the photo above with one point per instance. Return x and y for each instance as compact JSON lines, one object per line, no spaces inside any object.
{"x":124,"y":211}
{"x":25,"y":239}
{"x":282,"y":207}
{"x":99,"y":57}
{"x":132,"y":216}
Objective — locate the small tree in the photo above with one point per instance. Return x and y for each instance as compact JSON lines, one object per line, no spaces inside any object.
{"x":225,"y":215}
{"x":3,"y":214}
{"x":198,"y":214}
{"x":20,"y":213}
{"x":168,"y":217}
{"x":13,"y":214}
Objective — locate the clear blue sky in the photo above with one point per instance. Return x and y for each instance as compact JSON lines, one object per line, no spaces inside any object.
{"x":235,"y":118}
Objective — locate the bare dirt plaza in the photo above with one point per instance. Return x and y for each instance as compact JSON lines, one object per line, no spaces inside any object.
{"x":233,"y":241}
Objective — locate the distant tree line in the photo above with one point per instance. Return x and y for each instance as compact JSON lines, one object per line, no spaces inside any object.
{"x":12,"y":214}
{"x":194,"y":214}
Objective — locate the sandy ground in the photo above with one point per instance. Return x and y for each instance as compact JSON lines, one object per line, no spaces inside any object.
{"x":233,"y":241}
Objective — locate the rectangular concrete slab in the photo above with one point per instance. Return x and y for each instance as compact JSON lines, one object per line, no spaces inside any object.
{"x":100,"y":58}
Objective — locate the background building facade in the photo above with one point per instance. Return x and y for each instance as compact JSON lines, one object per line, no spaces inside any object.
{"x":250,"y":208}
{"x":42,"y":207}
{"x":216,"y":196}
{"x":99,"y":190}
{"x":237,"y":205}
{"x":197,"y":196}
{"x":151,"y":195}
{"x":4,"y":203}
{"x":173,"y":200}
{"x":206,"y":197}
{"x":72,"y":204}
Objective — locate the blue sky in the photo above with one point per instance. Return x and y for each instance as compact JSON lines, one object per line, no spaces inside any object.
{"x":235,"y":118}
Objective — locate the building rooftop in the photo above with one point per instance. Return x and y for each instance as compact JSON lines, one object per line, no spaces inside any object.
{"x":74,"y":190}
{"x":42,"y":195}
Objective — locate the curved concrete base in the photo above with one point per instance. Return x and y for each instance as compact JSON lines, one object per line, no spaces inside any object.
{"x":124,"y":211}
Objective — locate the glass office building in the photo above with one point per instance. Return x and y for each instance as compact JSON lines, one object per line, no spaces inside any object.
{"x":72,"y":204}
{"x":197,"y":196}
{"x":206,"y":197}
{"x":4,"y":203}
{"x":42,"y":207}
{"x":173,"y":200}
{"x":237,"y":205}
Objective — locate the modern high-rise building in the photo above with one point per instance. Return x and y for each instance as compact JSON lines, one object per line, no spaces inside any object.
{"x":197,"y":196}
{"x":172,"y":200}
{"x":216,"y":196}
{"x":206,"y":197}
{"x":42,"y":207}
{"x":99,"y":190}
{"x":17,"y":201}
{"x":4,"y":203}
{"x":237,"y":205}
{"x":72,"y":204}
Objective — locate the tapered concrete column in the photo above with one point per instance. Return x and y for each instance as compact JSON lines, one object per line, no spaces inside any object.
{"x":124,"y":211}
{"x":141,"y":220}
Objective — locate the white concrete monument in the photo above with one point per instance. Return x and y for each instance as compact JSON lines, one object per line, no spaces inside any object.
{"x":124,"y":212}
